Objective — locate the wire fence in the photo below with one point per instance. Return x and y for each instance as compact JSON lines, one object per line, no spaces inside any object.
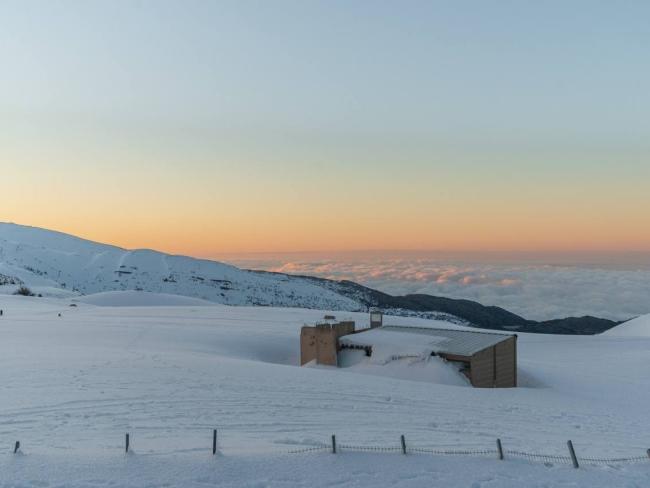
{"x":453,"y":452}
{"x":498,"y":453}
{"x":309,"y":449}
{"x":634,"y":459}
{"x":345,"y":447}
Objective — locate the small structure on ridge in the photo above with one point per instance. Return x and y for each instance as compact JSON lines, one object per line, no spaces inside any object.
{"x":376,"y":318}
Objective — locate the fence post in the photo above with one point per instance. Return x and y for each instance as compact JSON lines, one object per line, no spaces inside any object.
{"x":500,"y":449}
{"x":403,"y":444}
{"x":333,"y":444}
{"x":16,"y":447}
{"x":126,"y":443}
{"x":573,"y":454}
{"x":214,"y":441}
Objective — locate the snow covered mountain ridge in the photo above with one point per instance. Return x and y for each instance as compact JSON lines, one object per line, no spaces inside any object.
{"x":52,"y":263}
{"x":56,"y":264}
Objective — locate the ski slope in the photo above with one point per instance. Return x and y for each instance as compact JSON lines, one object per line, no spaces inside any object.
{"x":72,"y":385}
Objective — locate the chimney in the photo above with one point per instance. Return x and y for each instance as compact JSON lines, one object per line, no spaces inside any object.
{"x":376,"y":318}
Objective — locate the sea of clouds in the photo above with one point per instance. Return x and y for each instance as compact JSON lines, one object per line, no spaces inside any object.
{"x":535,"y":291}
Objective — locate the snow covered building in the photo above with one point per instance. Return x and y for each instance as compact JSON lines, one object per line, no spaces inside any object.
{"x":488,"y":360}
{"x":320,"y":343}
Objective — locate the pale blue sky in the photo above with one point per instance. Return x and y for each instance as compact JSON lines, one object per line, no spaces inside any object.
{"x":455,"y":70}
{"x":479,"y":98}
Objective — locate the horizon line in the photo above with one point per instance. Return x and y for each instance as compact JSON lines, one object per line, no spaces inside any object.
{"x":213,"y":254}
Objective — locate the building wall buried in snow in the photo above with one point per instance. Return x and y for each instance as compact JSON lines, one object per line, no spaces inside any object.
{"x":496,"y":366}
{"x":492,"y":367}
{"x":506,"y":363}
{"x":489,"y":359}
{"x":321,"y":342}
{"x":481,"y":372}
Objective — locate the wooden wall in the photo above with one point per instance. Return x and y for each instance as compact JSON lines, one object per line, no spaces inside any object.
{"x":506,"y":363}
{"x":322,"y":342}
{"x":496,"y":366}
{"x":482,"y":368}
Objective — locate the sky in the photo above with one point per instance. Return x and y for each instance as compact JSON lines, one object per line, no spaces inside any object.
{"x":203,"y":128}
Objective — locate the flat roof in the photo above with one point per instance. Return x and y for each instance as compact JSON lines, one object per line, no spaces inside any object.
{"x":446,"y":341}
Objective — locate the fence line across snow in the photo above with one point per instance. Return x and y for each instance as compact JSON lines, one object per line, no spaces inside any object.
{"x":401,"y":446}
{"x":499,"y":453}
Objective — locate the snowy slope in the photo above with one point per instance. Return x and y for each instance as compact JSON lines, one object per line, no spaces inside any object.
{"x":56,"y":264}
{"x":133,"y":298}
{"x":638,"y":327}
{"x":73,"y":385}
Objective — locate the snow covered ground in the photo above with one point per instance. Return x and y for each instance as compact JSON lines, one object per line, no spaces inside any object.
{"x":72,"y":386}
{"x":637,"y":327}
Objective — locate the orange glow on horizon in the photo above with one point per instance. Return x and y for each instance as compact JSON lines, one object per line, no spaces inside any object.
{"x":203,"y":130}
{"x":194,"y":237}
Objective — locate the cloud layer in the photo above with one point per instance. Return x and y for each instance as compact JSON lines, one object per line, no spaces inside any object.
{"x":534,"y":291}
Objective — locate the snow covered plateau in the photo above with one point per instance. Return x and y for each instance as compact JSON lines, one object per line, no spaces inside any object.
{"x":168,"y":370}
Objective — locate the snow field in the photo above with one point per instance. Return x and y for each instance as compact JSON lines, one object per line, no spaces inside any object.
{"x":194,"y":470}
{"x":72,"y":386}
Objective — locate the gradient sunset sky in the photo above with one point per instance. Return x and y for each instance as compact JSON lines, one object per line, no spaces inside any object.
{"x":201,"y":127}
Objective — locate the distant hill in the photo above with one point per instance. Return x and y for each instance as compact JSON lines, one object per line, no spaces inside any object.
{"x":470,"y":312}
{"x":56,"y":264}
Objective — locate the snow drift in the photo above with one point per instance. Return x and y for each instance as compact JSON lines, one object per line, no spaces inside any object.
{"x":638,"y":327}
